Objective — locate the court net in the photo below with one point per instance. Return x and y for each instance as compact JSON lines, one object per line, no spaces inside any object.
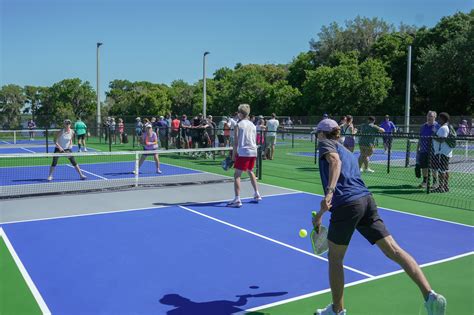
{"x":27,"y":137}
{"x":27,"y":174}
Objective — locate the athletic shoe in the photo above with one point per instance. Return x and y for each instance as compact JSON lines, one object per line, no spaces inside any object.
{"x":83,"y":177}
{"x":236,"y":203}
{"x":436,"y":304}
{"x":50,"y":178}
{"x":435,"y":186}
{"x":370,"y":170}
{"x":158,"y":171}
{"x":361,"y":169}
{"x":257,"y":197}
{"x":85,"y":149}
{"x":439,"y":190}
{"x":422,"y":185}
{"x":329,"y":311}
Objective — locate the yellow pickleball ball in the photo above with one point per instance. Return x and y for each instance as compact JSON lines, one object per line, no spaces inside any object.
{"x":303,"y":233}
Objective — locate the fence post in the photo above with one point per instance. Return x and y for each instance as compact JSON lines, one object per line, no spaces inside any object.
{"x":110,"y":139}
{"x":389,"y":155}
{"x":292,"y":140}
{"x":47,"y":141}
{"x":167,"y":138}
{"x":407,"y":155}
{"x":430,"y":155}
{"x":259,"y":162}
{"x":315,"y":150}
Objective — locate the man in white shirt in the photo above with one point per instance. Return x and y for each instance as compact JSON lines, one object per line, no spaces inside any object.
{"x":270,"y":139}
{"x":442,"y":152}
{"x":232,"y":123}
{"x":244,"y":154}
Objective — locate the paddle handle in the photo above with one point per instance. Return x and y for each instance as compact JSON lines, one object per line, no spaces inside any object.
{"x":313,"y":213}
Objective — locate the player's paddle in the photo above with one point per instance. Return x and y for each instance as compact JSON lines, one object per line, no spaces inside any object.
{"x":319,"y":239}
{"x":227,"y":163}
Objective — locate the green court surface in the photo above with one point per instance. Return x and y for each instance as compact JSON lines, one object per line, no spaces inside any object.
{"x":15,"y":295}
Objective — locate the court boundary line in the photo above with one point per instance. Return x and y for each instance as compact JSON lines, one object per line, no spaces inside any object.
{"x":27,"y":150}
{"x":127,"y":210}
{"x":87,"y":172}
{"x":354,"y":283}
{"x":273,"y":240}
{"x":26,"y":277}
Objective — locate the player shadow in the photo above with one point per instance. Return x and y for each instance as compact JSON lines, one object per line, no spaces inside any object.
{"x":193,"y":204}
{"x":397,"y":190}
{"x":184,"y":306}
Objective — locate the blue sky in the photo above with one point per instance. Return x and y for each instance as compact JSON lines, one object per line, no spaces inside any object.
{"x":45,"y":41}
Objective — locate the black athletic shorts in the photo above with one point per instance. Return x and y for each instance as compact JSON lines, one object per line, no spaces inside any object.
{"x":79,"y":137}
{"x":360,"y":214}
{"x":440,"y":163}
{"x":56,"y":158}
{"x":424,"y":159}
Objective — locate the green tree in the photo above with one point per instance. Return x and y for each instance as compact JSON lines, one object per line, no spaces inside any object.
{"x":358,"y":34}
{"x":181,"y":96}
{"x":69,"y":98}
{"x":33,"y":96}
{"x":12,"y":99}
{"x":348,"y":87}
{"x":298,"y":67}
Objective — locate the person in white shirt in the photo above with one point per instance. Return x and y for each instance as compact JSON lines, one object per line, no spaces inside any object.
{"x":270,"y":139}
{"x":231,"y":123}
{"x":442,"y":153}
{"x":244,"y":154}
{"x":64,"y":145}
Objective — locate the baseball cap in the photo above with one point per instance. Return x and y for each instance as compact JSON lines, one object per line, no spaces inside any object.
{"x":327,"y":125}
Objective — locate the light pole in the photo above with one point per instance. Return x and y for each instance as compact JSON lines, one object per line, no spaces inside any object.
{"x":204,"y":83}
{"x":407,"y":93}
{"x":98,"y":94}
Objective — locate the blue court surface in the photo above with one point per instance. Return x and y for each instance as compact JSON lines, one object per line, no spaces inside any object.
{"x":379,"y":155}
{"x":199,"y":258}
{"x":42,"y":149}
{"x":27,"y":141}
{"x":22,"y":175}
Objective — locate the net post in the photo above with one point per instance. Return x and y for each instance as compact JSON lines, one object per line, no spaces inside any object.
{"x":134,"y":134}
{"x":110,"y":139}
{"x":47,"y":141}
{"x":259,"y":162}
{"x":14,"y":136}
{"x":136,"y":169}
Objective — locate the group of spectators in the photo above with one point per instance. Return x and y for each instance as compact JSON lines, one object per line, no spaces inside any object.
{"x":435,"y":146}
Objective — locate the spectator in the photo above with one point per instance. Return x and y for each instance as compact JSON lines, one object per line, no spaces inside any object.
{"x":220,"y":132}
{"x":138,"y":129}
{"x":112,"y":129}
{"x":232,"y":122}
{"x":227,"y":131}
{"x":463,"y":128}
{"x":260,"y":129}
{"x":31,"y":127}
{"x":271,"y":134}
{"x":244,"y":154}
{"x":367,"y":143}
{"x":211,"y":130}
{"x":106,"y":126}
{"x":389,"y":128}
{"x":348,"y":131}
{"x":185,"y":130}
{"x":342,"y":121}
{"x":424,"y":150}
{"x":442,"y":153}
{"x":81,"y":129}
{"x":162,"y":128}
{"x":175,"y":131}
{"x":120,"y":129}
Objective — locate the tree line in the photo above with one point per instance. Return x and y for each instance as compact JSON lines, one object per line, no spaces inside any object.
{"x":356,"y":68}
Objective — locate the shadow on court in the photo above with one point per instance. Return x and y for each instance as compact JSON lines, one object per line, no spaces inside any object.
{"x":184,"y":306}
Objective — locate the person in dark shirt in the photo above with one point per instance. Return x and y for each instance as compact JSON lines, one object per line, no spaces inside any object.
{"x":352,"y":207}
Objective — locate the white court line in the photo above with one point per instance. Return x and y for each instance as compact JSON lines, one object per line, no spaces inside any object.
{"x":6,"y":142}
{"x":272,"y":240}
{"x":27,"y":150}
{"x":304,"y":296}
{"x":90,"y":173}
{"x":34,"y":290}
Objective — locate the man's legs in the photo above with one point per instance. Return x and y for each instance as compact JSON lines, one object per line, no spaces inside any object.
{"x":237,"y":175}
{"x":393,"y":251}
{"x":336,"y":274}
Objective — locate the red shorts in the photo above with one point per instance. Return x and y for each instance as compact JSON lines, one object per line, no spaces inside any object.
{"x":245,"y":163}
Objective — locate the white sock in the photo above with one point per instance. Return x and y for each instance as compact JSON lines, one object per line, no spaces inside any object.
{"x":257,"y":193}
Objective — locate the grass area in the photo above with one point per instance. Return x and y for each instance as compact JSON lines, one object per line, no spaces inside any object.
{"x":396,"y":294}
{"x":15,"y":296}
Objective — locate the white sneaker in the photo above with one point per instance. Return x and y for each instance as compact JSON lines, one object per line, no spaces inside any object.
{"x":50,"y":178}
{"x":436,"y":304}
{"x":257,"y":197}
{"x":83,"y":177}
{"x":158,"y":171}
{"x":236,"y":203}
{"x":85,"y":149}
{"x":329,"y":311}
{"x":369,"y":170}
